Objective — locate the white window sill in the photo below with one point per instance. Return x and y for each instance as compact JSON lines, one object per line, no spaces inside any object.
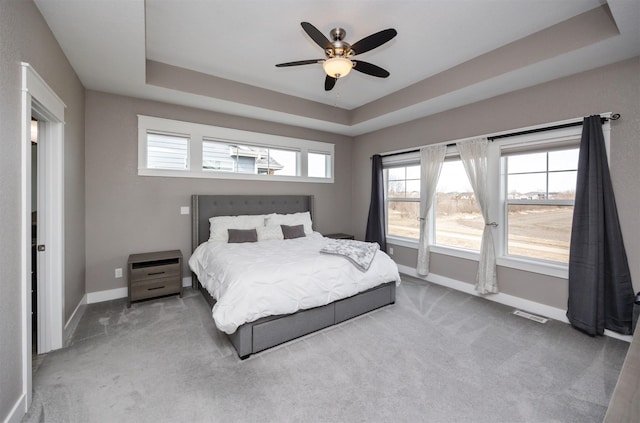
{"x":230,"y":175}
{"x":403,"y":242}
{"x":455,"y":252}
{"x":549,"y":269}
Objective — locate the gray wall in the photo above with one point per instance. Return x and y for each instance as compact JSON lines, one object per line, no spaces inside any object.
{"x":127,"y":213}
{"x":614,"y":88}
{"x":25,"y":37}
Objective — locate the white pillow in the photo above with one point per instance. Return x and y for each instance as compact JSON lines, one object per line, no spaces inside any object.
{"x":269,"y":232}
{"x":219,"y":225}
{"x":303,"y":218}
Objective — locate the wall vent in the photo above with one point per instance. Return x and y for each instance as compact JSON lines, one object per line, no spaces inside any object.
{"x":530,"y":316}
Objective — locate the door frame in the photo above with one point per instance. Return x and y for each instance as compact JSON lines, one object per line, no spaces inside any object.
{"x":39,"y":100}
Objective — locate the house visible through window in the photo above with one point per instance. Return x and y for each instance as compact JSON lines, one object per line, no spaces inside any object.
{"x":225,"y":157}
{"x":167,"y":151}
{"x":183,"y":149}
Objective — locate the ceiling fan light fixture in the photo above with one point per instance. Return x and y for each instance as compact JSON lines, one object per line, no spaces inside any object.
{"x":337,"y":67}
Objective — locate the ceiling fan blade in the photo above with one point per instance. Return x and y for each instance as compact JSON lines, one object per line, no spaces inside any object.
{"x":299,"y":62}
{"x":329,"y":83}
{"x":369,"y":69}
{"x":373,"y":41}
{"x":316,"y":35}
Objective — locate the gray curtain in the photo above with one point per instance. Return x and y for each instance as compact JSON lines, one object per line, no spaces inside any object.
{"x":600,"y":289}
{"x":376,"y":231}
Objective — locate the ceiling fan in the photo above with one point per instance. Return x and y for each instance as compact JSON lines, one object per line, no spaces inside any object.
{"x":339,"y":53}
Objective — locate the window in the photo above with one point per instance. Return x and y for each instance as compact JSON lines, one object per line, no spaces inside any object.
{"x":531,"y":193}
{"x":458,"y":222}
{"x":403,"y":201}
{"x":221,"y":156}
{"x":319,"y":165}
{"x":182,"y":149}
{"x":167,"y":151}
{"x":540,"y":191}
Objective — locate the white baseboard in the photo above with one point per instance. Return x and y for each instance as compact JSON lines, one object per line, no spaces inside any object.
{"x":18,"y":411}
{"x":106,"y":295}
{"x":72,"y":323}
{"x":114,"y":294}
{"x":509,"y":300}
{"x":506,"y":299}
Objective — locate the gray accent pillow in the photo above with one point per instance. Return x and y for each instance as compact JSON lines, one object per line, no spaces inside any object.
{"x":291,"y":232}
{"x":242,"y":235}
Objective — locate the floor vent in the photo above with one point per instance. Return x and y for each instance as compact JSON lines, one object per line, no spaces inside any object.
{"x":530,"y":316}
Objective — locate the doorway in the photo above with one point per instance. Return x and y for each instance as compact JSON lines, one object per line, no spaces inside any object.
{"x":39,"y":101}
{"x":34,"y":239}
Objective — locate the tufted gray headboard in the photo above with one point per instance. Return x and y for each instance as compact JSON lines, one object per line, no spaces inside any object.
{"x":205,"y":206}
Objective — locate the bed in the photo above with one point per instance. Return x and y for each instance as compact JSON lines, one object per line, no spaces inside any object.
{"x":375,"y":287}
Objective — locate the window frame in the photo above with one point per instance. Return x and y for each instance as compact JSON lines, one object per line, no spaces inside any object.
{"x":554,"y":139}
{"x":198,"y":133}
{"x":403,"y":160}
{"x":566,"y":144}
{"x":452,"y":154}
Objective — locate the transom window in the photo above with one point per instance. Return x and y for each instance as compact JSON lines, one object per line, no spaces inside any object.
{"x":183,"y":149}
{"x":167,"y":151}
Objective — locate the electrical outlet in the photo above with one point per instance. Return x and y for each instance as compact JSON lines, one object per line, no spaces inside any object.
{"x":118,"y":272}
{"x":390,"y":251}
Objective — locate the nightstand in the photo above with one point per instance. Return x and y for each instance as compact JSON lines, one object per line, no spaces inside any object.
{"x":154,"y":275}
{"x":339,"y":236}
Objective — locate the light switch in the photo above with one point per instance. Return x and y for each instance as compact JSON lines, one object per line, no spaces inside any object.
{"x":184,"y":210}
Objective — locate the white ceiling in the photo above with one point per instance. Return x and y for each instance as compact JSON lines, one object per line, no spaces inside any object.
{"x":109,"y":41}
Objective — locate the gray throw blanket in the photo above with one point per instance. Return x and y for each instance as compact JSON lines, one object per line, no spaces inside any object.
{"x":359,"y":253}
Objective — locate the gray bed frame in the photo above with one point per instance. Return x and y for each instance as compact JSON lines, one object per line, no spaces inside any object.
{"x":270,"y":331}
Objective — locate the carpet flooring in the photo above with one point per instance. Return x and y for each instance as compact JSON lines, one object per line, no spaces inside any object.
{"x":437,"y":355}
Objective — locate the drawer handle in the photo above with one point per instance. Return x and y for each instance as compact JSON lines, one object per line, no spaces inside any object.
{"x":157,"y":287}
{"x":155,"y":273}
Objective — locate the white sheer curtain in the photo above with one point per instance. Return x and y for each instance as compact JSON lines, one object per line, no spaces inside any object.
{"x":473,"y":154}
{"x":431,"y":158}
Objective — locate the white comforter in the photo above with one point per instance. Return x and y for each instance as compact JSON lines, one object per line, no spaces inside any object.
{"x":266,"y":278}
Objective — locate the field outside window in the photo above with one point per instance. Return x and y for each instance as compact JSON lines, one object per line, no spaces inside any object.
{"x":540,"y":191}
{"x":403,"y":201}
{"x":458,"y":221}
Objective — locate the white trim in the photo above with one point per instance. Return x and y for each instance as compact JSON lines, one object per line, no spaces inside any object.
{"x":616,"y":335}
{"x":509,"y":300}
{"x":558,"y":270}
{"x":18,"y":410}
{"x":107,"y":295}
{"x":455,"y":252}
{"x":117,"y":293}
{"x":38,"y":98}
{"x":73,"y":321}
{"x":402,"y":242}
{"x":505,"y":299}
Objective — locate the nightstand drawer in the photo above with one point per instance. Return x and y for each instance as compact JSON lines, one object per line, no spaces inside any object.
{"x":144,"y":271}
{"x":154,"y":288}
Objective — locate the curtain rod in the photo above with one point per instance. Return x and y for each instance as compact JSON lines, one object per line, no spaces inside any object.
{"x":614,"y":116}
